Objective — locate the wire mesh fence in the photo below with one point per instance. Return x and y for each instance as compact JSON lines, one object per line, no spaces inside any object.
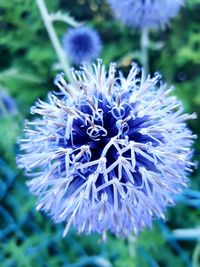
{"x":29,"y":239}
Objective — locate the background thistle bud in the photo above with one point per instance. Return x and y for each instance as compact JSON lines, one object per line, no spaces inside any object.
{"x":7,"y":104}
{"x":146,"y":13}
{"x":82,"y":44}
{"x":109,"y":154}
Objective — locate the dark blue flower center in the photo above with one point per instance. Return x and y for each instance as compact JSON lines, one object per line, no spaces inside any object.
{"x":82,"y":43}
{"x":110,"y":122}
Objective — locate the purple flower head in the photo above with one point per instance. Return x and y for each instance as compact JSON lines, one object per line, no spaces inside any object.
{"x":107,"y":153}
{"x":7,"y":104}
{"x":146,"y":13}
{"x":82,"y":44}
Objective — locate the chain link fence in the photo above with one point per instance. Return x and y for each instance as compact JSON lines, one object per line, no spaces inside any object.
{"x":29,"y":239}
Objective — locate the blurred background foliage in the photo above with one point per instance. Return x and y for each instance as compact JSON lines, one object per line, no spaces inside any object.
{"x":28,"y":66}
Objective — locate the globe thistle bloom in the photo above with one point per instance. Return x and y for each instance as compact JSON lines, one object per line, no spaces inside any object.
{"x":146,"y":13}
{"x":7,"y":104}
{"x":107,"y":153}
{"x":82,"y":44}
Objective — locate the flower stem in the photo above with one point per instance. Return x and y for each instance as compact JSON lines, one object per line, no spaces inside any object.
{"x":196,"y":256}
{"x":53,"y":37}
{"x":145,"y":50}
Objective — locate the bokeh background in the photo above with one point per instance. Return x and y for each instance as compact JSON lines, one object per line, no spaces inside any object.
{"x":28,"y":65}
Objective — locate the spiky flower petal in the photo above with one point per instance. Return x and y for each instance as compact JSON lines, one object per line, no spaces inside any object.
{"x":110,"y":153}
{"x":82,"y":44}
{"x":146,"y":13}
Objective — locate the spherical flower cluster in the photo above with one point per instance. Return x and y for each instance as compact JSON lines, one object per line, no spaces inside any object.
{"x":107,"y":152}
{"x":82,"y":44}
{"x":146,"y":13}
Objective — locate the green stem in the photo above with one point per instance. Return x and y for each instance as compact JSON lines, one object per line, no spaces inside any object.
{"x":53,"y":37}
{"x":145,"y":50}
{"x":196,"y":256}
